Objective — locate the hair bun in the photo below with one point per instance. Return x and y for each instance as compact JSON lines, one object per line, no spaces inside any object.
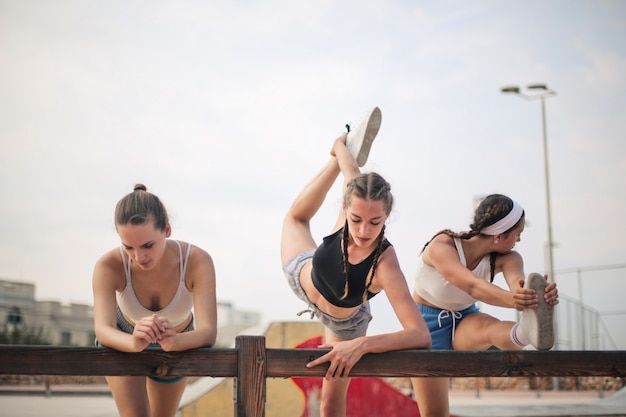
{"x":140,"y":187}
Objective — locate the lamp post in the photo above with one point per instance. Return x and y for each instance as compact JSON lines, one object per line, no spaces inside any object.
{"x":541,"y":92}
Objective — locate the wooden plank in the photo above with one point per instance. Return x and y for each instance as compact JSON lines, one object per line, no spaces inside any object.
{"x":283,"y":363}
{"x":250,"y":363}
{"x":258,"y":362}
{"x":250,"y":389}
{"x":57,"y":360}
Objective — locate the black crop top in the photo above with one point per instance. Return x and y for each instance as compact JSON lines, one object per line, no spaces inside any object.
{"x":328,"y":276}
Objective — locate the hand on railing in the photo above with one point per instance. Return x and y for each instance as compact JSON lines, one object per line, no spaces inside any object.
{"x":154,"y":329}
{"x":342,"y":357}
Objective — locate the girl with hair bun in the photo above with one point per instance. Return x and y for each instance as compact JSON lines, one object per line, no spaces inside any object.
{"x":144,"y":294}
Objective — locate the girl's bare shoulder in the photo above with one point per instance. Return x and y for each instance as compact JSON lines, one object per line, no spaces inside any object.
{"x":110,"y":259}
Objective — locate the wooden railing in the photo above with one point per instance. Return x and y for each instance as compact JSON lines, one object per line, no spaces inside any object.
{"x":250,"y":363}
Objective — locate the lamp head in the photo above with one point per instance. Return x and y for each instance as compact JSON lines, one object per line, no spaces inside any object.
{"x":510,"y":89}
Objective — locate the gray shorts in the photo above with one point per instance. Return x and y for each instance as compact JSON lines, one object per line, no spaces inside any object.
{"x":348,"y":328}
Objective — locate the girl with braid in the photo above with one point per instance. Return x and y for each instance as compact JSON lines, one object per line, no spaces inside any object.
{"x":353,"y":264}
{"x":457,"y":269}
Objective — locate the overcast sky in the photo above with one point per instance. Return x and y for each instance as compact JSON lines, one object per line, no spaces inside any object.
{"x":226,"y":109}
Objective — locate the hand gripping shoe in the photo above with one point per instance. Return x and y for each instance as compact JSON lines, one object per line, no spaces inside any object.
{"x":538,"y":323}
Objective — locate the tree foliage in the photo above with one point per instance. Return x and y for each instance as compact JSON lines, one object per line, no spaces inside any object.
{"x":23,"y":335}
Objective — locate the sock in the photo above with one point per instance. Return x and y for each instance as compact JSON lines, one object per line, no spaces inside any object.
{"x":518,"y":337}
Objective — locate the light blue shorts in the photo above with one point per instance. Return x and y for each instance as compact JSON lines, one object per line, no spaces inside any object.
{"x":442,"y":324}
{"x":348,"y":328}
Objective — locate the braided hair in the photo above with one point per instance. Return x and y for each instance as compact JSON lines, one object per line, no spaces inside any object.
{"x":367,"y":186}
{"x":491,"y":209}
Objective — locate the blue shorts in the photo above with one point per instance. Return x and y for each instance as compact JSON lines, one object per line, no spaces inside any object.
{"x":442,"y":324}
{"x":348,"y":328}
{"x":126,"y":327}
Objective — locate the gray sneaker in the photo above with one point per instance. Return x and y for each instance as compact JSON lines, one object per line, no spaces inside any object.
{"x":360,"y":138}
{"x":538,"y":323}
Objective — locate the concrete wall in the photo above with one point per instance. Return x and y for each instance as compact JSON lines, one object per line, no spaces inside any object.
{"x":283,"y":397}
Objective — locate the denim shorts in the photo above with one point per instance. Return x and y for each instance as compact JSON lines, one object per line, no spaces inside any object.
{"x":126,"y":327}
{"x":348,"y":328}
{"x":442,"y":324}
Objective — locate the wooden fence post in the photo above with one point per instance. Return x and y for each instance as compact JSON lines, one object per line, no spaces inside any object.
{"x":250,"y":384}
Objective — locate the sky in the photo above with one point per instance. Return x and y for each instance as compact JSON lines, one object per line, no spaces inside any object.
{"x":226,"y":109}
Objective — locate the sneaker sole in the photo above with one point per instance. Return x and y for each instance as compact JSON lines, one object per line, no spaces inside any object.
{"x":543,"y":314}
{"x":371,"y":130}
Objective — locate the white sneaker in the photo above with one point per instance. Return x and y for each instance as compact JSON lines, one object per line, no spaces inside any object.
{"x":360,"y":138}
{"x":537,"y":323}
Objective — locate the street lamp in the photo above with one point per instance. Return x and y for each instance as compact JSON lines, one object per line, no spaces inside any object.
{"x":541,"y":92}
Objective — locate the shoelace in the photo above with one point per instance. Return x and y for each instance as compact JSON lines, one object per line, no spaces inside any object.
{"x":444,"y":314}
{"x":308,"y":310}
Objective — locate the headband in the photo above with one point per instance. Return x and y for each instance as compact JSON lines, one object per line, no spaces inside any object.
{"x":506,"y":222}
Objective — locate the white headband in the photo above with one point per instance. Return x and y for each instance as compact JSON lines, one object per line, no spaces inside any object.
{"x":505,"y":223}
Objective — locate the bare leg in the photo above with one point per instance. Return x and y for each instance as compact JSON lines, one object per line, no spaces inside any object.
{"x":138,"y":396}
{"x":334,"y":397}
{"x":296,"y":238}
{"x":431,"y":395}
{"x":131,"y":397}
{"x":165,"y":398}
{"x":479,"y":331}
{"x":296,"y":235}
{"x":334,"y":392}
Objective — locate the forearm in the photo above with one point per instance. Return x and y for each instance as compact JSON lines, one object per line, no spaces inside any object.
{"x":115,"y":339}
{"x":203,"y":337}
{"x":400,"y":340}
{"x":493,"y":295}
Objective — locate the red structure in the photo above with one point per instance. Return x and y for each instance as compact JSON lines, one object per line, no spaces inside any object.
{"x":366,"y":396}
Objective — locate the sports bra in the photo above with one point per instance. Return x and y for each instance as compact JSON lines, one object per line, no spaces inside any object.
{"x":177,"y":311}
{"x":437,"y":290}
{"x":328,"y":274}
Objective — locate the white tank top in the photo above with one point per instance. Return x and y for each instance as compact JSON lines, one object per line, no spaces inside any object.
{"x":434,"y":288}
{"x":177,"y":311}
